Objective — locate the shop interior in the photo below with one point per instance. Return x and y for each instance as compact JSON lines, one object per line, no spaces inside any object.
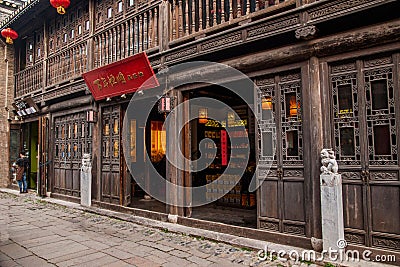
{"x":221,"y":130}
{"x":238,"y":205}
{"x":29,"y":144}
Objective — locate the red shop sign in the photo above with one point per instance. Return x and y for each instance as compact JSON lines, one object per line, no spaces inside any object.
{"x":122,"y":77}
{"x":224,"y":148}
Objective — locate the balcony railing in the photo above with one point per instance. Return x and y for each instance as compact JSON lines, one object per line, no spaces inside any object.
{"x":29,"y":80}
{"x":142,"y":31}
{"x":68,"y":64}
{"x":135,"y":35}
{"x":191,"y":16}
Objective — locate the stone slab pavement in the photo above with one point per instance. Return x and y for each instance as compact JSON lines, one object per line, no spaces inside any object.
{"x":36,"y":232}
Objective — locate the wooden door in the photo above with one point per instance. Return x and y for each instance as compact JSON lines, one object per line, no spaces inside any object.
{"x":281,"y":196}
{"x":43,"y":155}
{"x":72,"y":138}
{"x":111,"y":167}
{"x":365,"y":119}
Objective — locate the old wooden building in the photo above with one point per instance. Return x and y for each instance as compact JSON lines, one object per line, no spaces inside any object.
{"x":328,"y":71}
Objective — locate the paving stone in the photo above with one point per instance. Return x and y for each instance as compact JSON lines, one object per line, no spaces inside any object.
{"x":175,"y":246}
{"x":33,"y":261}
{"x":8,"y":263}
{"x":119,"y":254}
{"x":4,"y":257}
{"x":179,"y":253}
{"x":78,"y":237}
{"x":156,"y":259}
{"x":103,"y":261}
{"x":81,"y":259}
{"x":58,"y":249}
{"x":30,"y":235}
{"x":199,"y":261}
{"x":177,"y":261}
{"x":143,"y":251}
{"x":199,"y":254}
{"x":128,"y":246}
{"x":41,"y":241}
{"x":95,"y":245}
{"x":63,"y":236}
{"x":120,"y":264}
{"x":71,"y":256}
{"x":143,"y":262}
{"x":160,"y":254}
{"x":15,"y":251}
{"x":156,"y":245}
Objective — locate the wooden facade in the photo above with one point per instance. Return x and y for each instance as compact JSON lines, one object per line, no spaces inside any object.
{"x":338,"y":59}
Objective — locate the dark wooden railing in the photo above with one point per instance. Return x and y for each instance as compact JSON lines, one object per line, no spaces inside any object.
{"x":68,"y":64}
{"x":29,"y":80}
{"x":191,"y":16}
{"x":137,"y":34}
{"x":141,"y":31}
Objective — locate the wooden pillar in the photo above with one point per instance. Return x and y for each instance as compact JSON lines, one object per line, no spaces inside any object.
{"x":186,"y":145}
{"x":92,"y":16}
{"x":163,"y":27}
{"x":45,"y":53}
{"x":313,"y":121}
{"x":174,"y":144}
{"x":96,"y":157}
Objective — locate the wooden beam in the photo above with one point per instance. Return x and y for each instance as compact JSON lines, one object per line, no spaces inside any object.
{"x":330,"y":45}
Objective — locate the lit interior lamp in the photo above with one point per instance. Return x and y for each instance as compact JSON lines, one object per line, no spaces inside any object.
{"x":293,"y":106}
{"x":266,"y":103}
{"x":203,"y":115}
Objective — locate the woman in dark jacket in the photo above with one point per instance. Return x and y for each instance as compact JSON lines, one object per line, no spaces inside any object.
{"x":22,"y":168}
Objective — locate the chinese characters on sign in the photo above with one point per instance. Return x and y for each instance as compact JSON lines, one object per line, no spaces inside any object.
{"x":112,"y":80}
{"x":122,"y":77}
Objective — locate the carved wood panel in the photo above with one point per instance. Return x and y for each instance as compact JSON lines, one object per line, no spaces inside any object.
{"x":72,"y":138}
{"x":280,"y":146}
{"x":365,"y":126}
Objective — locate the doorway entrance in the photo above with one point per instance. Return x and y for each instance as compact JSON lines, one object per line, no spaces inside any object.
{"x":29,"y":144}
{"x":147,"y":147}
{"x":222,"y":135}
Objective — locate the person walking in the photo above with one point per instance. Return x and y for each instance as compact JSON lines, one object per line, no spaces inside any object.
{"x":22,"y":168}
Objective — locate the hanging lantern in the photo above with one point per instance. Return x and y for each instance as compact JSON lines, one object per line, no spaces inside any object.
{"x":165,"y":104}
{"x":203,"y":115}
{"x":9,"y":34}
{"x":61,"y":5}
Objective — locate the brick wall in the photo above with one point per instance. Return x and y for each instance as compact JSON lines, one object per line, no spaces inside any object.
{"x":6,"y":99}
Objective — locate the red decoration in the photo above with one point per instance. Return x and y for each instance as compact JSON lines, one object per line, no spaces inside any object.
{"x":224,"y":148}
{"x":61,"y":5}
{"x":122,"y":77}
{"x":9,"y":34}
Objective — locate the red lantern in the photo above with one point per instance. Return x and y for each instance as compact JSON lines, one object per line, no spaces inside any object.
{"x":9,"y":34}
{"x":61,"y":5}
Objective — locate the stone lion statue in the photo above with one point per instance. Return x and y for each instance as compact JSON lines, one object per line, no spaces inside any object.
{"x":328,"y":160}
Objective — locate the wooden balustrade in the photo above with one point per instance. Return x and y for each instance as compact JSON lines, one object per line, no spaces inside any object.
{"x":139,"y":32}
{"x":68,"y":64}
{"x":191,"y":16}
{"x":29,"y":80}
{"x":133,"y":36}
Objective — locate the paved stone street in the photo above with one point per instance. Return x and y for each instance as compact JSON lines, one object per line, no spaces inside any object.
{"x":37,"y":233}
